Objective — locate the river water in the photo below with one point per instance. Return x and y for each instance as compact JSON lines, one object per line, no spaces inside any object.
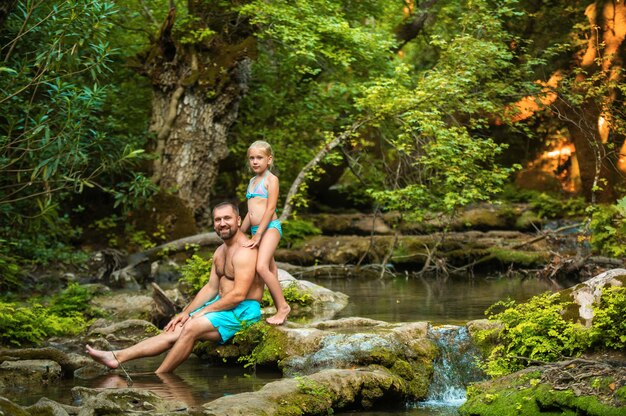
{"x":393,"y":300}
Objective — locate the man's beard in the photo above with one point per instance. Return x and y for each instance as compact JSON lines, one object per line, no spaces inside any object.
{"x":229,"y":233}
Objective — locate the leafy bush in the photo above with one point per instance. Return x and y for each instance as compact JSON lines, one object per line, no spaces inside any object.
{"x":296,"y":230}
{"x":535,"y":330}
{"x":195,"y":274}
{"x":34,"y":323}
{"x":546,"y":205}
{"x":608,"y":226}
{"x":293,"y":296}
{"x":539,"y":330}
{"x":72,"y":301}
{"x":609,"y":322}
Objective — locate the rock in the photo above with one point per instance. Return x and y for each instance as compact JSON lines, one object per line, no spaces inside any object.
{"x":359,"y":224}
{"x":69,"y":362}
{"x":8,"y":408}
{"x":125,"y":306}
{"x":47,"y":407}
{"x":25,"y":372}
{"x":123,"y":334}
{"x":459,"y":248}
{"x":563,"y":388}
{"x":320,"y":393}
{"x":587,"y":293}
{"x":113,"y":402}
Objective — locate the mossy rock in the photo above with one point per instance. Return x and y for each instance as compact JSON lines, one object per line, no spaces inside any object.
{"x":529,"y":392}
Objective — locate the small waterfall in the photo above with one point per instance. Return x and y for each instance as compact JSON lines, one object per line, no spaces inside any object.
{"x":454,"y":368}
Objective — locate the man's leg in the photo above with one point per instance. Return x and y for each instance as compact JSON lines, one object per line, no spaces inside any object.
{"x":146,"y":348}
{"x":196,"y":328}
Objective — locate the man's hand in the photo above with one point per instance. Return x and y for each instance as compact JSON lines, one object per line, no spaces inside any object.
{"x":180,"y":318}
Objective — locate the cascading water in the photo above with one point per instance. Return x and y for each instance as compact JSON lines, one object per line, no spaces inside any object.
{"x":455,"y":367}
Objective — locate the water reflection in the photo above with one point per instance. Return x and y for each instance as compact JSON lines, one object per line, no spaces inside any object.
{"x":194,"y":383}
{"x":430,"y":299}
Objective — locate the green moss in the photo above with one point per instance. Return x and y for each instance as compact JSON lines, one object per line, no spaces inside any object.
{"x":266,"y":344}
{"x":526,"y":396}
{"x":312,"y":398}
{"x":519,"y":257}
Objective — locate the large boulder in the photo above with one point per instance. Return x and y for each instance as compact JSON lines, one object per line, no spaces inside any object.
{"x":320,"y":393}
{"x":404,"y":350}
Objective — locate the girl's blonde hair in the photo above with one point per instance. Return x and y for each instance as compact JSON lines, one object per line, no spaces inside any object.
{"x":263,"y":145}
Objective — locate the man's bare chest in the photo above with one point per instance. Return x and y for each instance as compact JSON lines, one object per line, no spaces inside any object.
{"x":224,"y":267}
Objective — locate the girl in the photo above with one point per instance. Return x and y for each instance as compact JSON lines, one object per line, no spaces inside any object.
{"x":262,"y":196}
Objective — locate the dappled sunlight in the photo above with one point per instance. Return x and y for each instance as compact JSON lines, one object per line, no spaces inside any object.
{"x":558,"y":164}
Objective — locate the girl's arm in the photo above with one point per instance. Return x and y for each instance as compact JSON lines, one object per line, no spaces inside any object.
{"x":270,"y":209}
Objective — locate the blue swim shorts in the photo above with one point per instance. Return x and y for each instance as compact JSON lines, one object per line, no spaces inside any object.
{"x":229,"y":322}
{"x":273,"y":224}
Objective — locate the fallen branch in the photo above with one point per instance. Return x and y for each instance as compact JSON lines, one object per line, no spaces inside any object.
{"x":288,"y":207}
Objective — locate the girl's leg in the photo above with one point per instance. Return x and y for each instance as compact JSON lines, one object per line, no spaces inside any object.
{"x":267,"y":269}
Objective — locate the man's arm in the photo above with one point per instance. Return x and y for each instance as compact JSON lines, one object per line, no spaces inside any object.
{"x":208,"y":292}
{"x":244,"y":263}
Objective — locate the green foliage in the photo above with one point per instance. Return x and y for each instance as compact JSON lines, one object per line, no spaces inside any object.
{"x":119,"y":232}
{"x":33,"y":323}
{"x":195,"y":274}
{"x":73,"y":301}
{"x":540,"y":330}
{"x":265,"y":343}
{"x":295,"y":230}
{"x":292,"y":294}
{"x":9,"y":269}
{"x":59,"y":133}
{"x":547,"y":205}
{"x":439,"y":155}
{"x":609,"y":321}
{"x":608,"y":226}
{"x":536,"y":330}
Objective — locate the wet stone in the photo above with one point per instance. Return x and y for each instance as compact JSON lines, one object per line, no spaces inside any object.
{"x":26,"y":372}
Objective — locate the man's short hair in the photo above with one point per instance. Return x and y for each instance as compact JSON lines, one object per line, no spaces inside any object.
{"x":234,"y":206}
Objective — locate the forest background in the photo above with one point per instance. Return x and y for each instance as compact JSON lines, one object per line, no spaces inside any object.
{"x":115,"y":111}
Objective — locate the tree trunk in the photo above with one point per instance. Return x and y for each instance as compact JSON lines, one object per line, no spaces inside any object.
{"x":197,"y":85}
{"x":596,"y":139}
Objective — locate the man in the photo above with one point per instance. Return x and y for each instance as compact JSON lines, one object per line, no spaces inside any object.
{"x":230,"y":300}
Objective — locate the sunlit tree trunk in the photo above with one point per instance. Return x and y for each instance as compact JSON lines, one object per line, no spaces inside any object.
{"x":591,"y":125}
{"x":198,"y":83}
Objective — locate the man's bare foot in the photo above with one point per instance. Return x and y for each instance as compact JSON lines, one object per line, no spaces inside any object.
{"x":103,"y":357}
{"x":280,"y":317}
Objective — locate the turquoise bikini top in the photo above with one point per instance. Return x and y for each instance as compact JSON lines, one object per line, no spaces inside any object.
{"x":259,"y":191}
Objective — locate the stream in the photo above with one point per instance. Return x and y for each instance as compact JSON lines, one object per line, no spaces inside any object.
{"x":444,"y":304}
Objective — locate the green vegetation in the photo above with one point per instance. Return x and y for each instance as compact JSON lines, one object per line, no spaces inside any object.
{"x":194,"y":274}
{"x":265,"y":342}
{"x":608,"y":226}
{"x":540,"y":331}
{"x":293,"y":296}
{"x":67,"y":313}
{"x":295,"y":230}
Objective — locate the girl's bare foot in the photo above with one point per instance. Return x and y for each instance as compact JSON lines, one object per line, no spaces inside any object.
{"x":103,"y":357}
{"x":280,"y":317}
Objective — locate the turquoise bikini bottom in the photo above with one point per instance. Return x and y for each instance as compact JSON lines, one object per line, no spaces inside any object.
{"x":274,"y":224}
